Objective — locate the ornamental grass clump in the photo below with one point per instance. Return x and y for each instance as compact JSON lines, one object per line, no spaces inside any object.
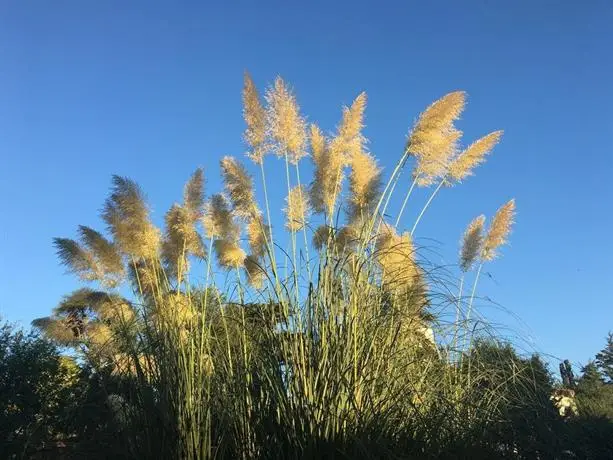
{"x":236,"y":347}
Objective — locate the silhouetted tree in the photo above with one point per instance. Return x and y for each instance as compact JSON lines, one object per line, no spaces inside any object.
{"x":604,"y":359}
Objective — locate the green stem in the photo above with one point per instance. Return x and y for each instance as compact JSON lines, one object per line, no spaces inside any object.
{"x":304,"y":230}
{"x":272,"y":249}
{"x":457,"y":314}
{"x":293,"y":234}
{"x":426,"y":206}
{"x":472,"y":297}
{"x":391,"y":182}
{"x":404,"y":203}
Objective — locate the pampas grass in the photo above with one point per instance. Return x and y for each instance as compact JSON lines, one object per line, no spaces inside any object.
{"x":341,"y":356}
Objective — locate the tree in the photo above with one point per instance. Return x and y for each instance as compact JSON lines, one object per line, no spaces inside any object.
{"x":36,"y":387}
{"x":589,"y":435}
{"x":604,"y":359}
{"x":518,"y":410}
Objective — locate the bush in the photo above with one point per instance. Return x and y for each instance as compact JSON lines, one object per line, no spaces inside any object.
{"x":37,"y":385}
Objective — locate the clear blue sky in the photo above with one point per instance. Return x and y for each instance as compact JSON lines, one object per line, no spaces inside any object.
{"x":151,"y":90}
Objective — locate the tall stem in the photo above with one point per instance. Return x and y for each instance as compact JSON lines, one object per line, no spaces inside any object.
{"x":472,"y":295}
{"x":426,"y":206}
{"x":293,"y":234}
{"x":304,"y":229}
{"x":272,"y":248}
{"x":404,"y":203}
{"x":457,"y":314}
{"x":390,"y":183}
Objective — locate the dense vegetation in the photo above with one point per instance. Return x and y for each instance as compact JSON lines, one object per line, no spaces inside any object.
{"x":337,"y":338}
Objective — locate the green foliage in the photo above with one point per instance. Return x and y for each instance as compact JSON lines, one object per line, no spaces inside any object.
{"x":513,"y":397}
{"x":604,"y":359}
{"x":36,"y":385}
{"x":590,"y":433}
{"x":594,"y":396}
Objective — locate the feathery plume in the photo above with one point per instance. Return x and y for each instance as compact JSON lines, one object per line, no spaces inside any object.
{"x":395,"y":255}
{"x":79,"y":261}
{"x":434,"y":138}
{"x":345,"y":239}
{"x":286,"y":126}
{"x":229,"y":253}
{"x":218,"y":220}
{"x":145,"y":276}
{"x":107,"y":257}
{"x":181,"y":239}
{"x":193,"y":195}
{"x":364,"y":185}
{"x":258,"y":233}
{"x":255,"y":118}
{"x":239,"y":186}
{"x":318,"y":143}
{"x":499,"y":230}
{"x":321,"y":236}
{"x":254,"y":270}
{"x":128,"y":220}
{"x":349,"y":137}
{"x":472,"y":243}
{"x":340,"y":241}
{"x":297,"y":209}
{"x":327,"y":179}
{"x":473,"y":156}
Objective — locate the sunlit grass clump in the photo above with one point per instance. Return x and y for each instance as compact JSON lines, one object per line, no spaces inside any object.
{"x":313,"y":331}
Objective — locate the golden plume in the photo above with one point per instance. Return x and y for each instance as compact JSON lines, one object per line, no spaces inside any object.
{"x":318,"y":143}
{"x":364,"y":186}
{"x":146,"y":277}
{"x":107,"y":256}
{"x":193,"y":195}
{"x":340,"y":241}
{"x":395,"y":255}
{"x":258,"y":233}
{"x":473,"y":156}
{"x":297,"y":209}
{"x":181,"y":239}
{"x":127,"y":217}
{"x":229,"y":253}
{"x":218,"y":220}
{"x":434,"y":138}
{"x":255,"y":117}
{"x":239,"y":186}
{"x":349,"y":138}
{"x":255,"y":271}
{"x":285,"y":124}
{"x":345,"y":239}
{"x":79,"y":261}
{"x":499,"y":230}
{"x":321,"y":236}
{"x":472,"y":243}
{"x":327,"y":178}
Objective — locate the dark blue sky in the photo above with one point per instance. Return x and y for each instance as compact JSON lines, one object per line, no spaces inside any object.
{"x":151,"y":90}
